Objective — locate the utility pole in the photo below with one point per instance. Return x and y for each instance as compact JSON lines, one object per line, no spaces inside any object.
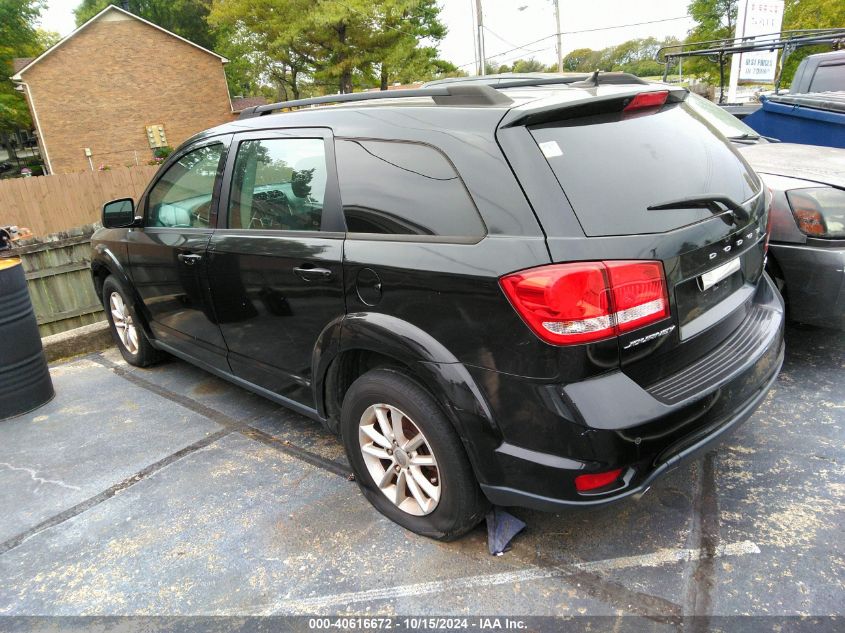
{"x":482,"y":61}
{"x":559,"y":48}
{"x":474,"y":35}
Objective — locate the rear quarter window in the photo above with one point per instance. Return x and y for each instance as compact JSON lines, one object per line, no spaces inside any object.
{"x":830,"y":77}
{"x":612,"y":167}
{"x":401,"y":188}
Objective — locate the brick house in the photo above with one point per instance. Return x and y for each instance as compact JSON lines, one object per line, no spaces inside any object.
{"x":109,"y":91}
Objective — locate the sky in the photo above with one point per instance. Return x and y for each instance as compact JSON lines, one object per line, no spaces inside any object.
{"x":512,"y":23}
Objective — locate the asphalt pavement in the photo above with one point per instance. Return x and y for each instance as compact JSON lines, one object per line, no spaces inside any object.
{"x":167,"y":491}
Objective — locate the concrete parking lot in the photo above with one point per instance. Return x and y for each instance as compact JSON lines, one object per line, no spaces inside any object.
{"x":169,"y":492}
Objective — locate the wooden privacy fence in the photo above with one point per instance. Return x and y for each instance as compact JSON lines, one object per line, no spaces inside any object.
{"x":58,"y":276}
{"x":50,"y":204}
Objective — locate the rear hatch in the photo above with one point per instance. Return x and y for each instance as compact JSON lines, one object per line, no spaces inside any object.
{"x":659,"y":183}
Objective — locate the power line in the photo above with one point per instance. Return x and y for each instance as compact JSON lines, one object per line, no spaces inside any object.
{"x":603,"y":28}
{"x":521,"y":55}
{"x":499,"y":37}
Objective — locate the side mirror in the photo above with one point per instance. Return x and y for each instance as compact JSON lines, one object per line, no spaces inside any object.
{"x":119,"y":214}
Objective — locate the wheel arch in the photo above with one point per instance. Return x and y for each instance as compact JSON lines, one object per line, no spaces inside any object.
{"x":104,"y":264}
{"x":352,"y":345}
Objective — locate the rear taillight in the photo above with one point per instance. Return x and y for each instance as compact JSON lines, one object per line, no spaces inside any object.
{"x":565,"y":304}
{"x":638,"y":292}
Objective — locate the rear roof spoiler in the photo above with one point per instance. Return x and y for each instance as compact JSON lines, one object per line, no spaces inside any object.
{"x":591,"y":105}
{"x":597,"y":78}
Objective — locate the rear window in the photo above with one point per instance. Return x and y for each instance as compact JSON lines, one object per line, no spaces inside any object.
{"x":399,"y":188}
{"x":613,"y":167}
{"x":828,"y":78}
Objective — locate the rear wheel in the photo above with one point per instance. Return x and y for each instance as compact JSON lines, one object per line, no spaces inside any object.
{"x":407,"y":458}
{"x":125,"y":326}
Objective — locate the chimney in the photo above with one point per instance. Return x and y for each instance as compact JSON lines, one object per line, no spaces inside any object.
{"x":124,"y":4}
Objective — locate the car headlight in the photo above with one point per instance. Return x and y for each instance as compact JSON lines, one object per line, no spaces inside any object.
{"x":819,"y":211}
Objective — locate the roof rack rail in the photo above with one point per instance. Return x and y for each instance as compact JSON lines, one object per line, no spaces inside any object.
{"x":719,"y":50}
{"x":455,"y":95}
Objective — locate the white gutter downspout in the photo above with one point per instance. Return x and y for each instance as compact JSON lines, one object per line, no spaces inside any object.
{"x":41,"y":142}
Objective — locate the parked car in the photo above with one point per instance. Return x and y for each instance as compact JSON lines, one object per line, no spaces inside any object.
{"x":807,"y":250}
{"x":534,"y":296}
{"x":811,"y":112}
{"x":822,"y":72}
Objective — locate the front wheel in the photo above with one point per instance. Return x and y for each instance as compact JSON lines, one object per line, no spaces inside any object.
{"x":125,"y":326}
{"x":407,"y":458}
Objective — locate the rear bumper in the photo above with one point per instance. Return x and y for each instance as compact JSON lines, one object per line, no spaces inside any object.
{"x":815,"y":283}
{"x":611,"y":422}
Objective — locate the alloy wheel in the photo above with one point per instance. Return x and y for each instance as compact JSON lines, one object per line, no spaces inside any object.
{"x":124,"y":325}
{"x":399,"y":459}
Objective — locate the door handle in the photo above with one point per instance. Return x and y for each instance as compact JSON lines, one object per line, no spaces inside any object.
{"x":189,"y":259}
{"x":313,"y":274}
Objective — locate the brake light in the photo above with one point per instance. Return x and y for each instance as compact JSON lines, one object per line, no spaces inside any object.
{"x":566,"y":304}
{"x":647,"y":100}
{"x":585,"y":483}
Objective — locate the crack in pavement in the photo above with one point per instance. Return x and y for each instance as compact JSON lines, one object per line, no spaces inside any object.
{"x":229,"y":424}
{"x":39,"y":480}
{"x":97,"y":499}
{"x":705,"y":529}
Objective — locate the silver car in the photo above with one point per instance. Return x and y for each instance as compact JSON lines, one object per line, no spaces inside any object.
{"x":807,"y":250}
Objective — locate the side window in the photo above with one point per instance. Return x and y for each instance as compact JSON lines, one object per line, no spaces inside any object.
{"x":403,"y":189}
{"x":828,"y":78}
{"x":279,"y":184}
{"x":182,"y":196}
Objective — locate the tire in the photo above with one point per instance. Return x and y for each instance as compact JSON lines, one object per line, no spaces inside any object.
{"x":453,"y":503}
{"x":135,"y":349}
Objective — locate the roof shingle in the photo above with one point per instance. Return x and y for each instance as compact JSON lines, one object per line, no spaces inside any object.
{"x":19,"y":63}
{"x":242,"y":103}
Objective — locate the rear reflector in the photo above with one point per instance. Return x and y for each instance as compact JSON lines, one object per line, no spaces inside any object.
{"x":585,"y":483}
{"x":565,"y":304}
{"x":647,"y":100}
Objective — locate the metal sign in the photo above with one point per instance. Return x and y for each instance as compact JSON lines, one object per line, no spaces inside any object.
{"x":755,"y":18}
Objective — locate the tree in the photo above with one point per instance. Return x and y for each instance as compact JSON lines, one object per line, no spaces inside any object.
{"x":400,"y":27}
{"x":490,"y":68}
{"x":528,"y":66}
{"x":809,"y":14}
{"x":337,"y":44}
{"x":578,"y":60}
{"x":714,"y":20}
{"x":187,"y":18}
{"x":18,"y":38}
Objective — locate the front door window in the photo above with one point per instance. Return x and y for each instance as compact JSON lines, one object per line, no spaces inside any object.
{"x":182,"y":196}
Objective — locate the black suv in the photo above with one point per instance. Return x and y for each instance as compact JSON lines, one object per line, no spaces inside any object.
{"x":531,"y":295}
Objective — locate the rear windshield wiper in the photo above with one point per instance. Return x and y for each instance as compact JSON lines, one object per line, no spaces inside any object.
{"x":715,"y":203}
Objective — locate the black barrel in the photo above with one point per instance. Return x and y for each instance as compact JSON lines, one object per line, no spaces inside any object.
{"x":24,"y":378}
